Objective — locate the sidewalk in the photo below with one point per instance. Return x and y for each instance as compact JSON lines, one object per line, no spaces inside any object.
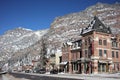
{"x":91,"y":76}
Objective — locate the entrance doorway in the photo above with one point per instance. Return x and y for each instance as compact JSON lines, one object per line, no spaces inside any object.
{"x":103,"y":67}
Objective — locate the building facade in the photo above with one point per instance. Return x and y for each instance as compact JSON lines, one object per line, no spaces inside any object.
{"x":97,"y":51}
{"x":54,"y":61}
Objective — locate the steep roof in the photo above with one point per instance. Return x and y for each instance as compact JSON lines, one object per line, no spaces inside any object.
{"x":96,"y":25}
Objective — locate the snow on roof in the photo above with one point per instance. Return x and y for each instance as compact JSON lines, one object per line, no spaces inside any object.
{"x":69,"y":43}
{"x":86,"y":30}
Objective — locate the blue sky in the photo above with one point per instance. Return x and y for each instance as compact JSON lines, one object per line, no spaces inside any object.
{"x":38,"y":14}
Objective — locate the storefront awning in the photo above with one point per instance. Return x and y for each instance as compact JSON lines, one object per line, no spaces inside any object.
{"x":101,"y":61}
{"x":105,"y":61}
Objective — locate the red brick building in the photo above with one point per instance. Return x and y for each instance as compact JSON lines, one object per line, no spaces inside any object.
{"x":98,"y":50}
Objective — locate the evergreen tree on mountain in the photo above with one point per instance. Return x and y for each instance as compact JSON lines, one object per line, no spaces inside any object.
{"x":43,"y":53}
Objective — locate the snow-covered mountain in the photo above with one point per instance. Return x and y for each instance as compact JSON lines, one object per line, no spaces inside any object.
{"x":15,"y":43}
{"x":18,"y":39}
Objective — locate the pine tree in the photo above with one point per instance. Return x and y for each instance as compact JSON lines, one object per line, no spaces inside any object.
{"x":43,"y":54}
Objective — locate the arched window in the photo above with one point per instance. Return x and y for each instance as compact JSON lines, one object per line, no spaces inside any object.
{"x":100,"y":42}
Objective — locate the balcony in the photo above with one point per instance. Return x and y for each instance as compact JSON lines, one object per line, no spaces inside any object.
{"x":116,"y":48}
{"x":76,"y":45}
{"x":75,"y":48}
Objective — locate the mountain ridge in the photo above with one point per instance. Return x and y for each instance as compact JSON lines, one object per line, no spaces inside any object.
{"x":62,"y":29}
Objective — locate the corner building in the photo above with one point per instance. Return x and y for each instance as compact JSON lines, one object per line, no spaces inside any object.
{"x":97,"y":51}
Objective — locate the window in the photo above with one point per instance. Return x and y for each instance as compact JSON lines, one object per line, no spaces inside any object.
{"x":85,"y":42}
{"x":100,"y":52}
{"x":101,"y":27}
{"x":89,"y":40}
{"x":118,"y":67}
{"x":85,"y":53}
{"x":100,"y":42}
{"x":99,"y":68}
{"x":76,"y":44}
{"x":89,"y":52}
{"x":105,"y":53}
{"x":60,"y":59}
{"x":105,"y":42}
{"x":114,"y":67}
{"x":103,"y":67}
{"x":79,"y":44}
{"x":114,"y":44}
{"x":116,"y":54}
{"x":80,"y":54}
{"x":113,"y":54}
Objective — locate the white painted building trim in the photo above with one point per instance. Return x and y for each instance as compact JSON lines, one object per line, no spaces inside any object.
{"x":94,"y":57}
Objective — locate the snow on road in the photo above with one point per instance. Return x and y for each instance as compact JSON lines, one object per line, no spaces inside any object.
{"x":9,"y":77}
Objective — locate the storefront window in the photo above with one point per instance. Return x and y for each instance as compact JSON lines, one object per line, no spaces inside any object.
{"x":99,"y":69}
{"x":103,"y":67}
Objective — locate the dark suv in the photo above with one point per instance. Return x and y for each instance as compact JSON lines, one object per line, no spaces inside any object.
{"x":54,"y":71}
{"x":42,"y":71}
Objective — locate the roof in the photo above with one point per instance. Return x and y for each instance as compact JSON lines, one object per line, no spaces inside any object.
{"x":96,"y":25}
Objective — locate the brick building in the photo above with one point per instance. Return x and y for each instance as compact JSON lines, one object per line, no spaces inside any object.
{"x":97,"y":51}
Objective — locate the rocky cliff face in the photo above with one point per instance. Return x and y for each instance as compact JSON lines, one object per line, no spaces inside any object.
{"x":23,"y":41}
{"x":68,"y":27}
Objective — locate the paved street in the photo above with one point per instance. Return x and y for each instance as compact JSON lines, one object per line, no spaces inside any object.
{"x":31,"y":76}
{"x":40,"y":77}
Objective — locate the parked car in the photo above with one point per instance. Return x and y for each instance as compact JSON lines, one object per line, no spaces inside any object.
{"x":54,"y":71}
{"x":42,"y":71}
{"x":27,"y":71}
{"x":36,"y":70}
